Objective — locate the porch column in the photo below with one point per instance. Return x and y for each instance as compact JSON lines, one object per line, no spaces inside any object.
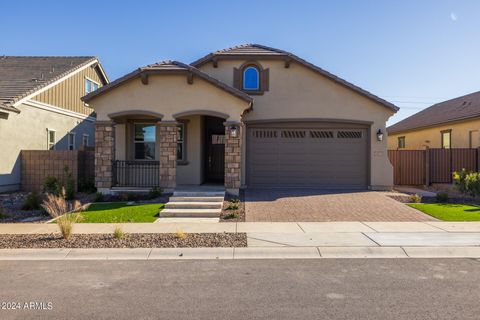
{"x":233,"y":156}
{"x":104,"y":154}
{"x":168,"y":154}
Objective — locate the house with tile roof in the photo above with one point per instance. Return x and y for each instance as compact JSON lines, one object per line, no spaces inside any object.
{"x":249,"y":116}
{"x":41,"y":109}
{"x":453,"y":123}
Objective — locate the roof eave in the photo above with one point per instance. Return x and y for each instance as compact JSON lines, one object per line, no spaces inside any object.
{"x":432,"y":125}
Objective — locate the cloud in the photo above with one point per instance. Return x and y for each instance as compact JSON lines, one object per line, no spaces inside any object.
{"x":453,"y":16}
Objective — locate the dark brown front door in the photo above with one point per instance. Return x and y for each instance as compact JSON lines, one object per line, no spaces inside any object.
{"x":215,"y":149}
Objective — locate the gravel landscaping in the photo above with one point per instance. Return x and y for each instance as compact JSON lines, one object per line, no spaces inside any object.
{"x":233,"y":209}
{"x":133,"y":240}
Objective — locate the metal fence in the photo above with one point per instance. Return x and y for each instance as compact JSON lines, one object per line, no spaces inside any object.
{"x":136,"y":174}
{"x":424,"y":167}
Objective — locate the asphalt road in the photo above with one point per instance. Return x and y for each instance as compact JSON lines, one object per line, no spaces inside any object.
{"x":243,"y":289}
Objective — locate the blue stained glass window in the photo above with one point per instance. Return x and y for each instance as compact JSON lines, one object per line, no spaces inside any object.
{"x":251,"y":79}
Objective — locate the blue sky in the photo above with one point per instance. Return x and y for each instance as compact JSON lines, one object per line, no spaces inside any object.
{"x":412,"y":53}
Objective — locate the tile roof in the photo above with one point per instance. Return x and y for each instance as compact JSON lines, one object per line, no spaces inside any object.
{"x":169,"y":66}
{"x":460,"y":108}
{"x":23,"y":75}
{"x":262,"y":51}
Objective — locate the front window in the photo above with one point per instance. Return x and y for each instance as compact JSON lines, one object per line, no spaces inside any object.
{"x":71,"y":141}
{"x":251,"y":78}
{"x":51,"y":140}
{"x":446,"y":139}
{"x":144,"y":141}
{"x":181,"y":142}
{"x":401,"y":142}
{"x":90,"y":85}
{"x":85,"y":140}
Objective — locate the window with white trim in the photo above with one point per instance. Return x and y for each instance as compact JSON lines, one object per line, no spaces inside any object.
{"x":181,"y":142}
{"x":85,"y":140}
{"x":145,"y":138}
{"x":90,"y":85}
{"x":51,"y":139}
{"x":71,"y":141}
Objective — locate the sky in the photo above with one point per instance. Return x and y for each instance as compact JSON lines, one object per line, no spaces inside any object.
{"x":411,"y":53}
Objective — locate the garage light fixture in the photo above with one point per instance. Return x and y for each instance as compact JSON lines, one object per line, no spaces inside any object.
{"x":379,"y":135}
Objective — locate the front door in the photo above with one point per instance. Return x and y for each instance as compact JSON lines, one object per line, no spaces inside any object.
{"x":215,"y":150}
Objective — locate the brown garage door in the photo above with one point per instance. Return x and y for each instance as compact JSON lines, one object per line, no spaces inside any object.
{"x":289,"y":156}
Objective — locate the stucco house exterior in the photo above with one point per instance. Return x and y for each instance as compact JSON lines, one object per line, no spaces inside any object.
{"x":247,"y":117}
{"x":40,"y":108}
{"x":453,"y":123}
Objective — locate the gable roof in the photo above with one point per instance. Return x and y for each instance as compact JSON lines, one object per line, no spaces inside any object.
{"x":456,"y":109}
{"x":168,"y":67}
{"x":263,"y":52}
{"x":21,"y":76}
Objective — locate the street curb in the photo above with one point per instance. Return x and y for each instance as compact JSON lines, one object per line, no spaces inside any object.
{"x":240,"y":253}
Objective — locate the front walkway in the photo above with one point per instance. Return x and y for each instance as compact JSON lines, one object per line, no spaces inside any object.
{"x":309,"y":205}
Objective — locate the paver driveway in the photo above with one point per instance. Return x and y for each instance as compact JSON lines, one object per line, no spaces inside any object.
{"x":304,"y":205}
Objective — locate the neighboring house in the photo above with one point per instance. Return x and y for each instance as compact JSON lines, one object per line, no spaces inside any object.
{"x":450,"y":124}
{"x":40,"y":108}
{"x":248,"y":116}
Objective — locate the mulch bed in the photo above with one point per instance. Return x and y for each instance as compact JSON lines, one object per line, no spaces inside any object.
{"x":132,"y":240}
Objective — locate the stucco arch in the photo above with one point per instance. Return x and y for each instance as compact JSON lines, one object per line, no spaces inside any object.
{"x":202,"y":112}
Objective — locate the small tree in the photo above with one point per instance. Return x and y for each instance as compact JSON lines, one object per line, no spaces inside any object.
{"x":467,"y":182}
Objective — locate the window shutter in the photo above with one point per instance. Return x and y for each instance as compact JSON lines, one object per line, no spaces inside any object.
{"x":264,"y":78}
{"x":237,"y":79}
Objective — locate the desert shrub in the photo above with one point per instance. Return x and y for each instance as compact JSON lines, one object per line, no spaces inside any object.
{"x":180,"y":234}
{"x":155,"y":193}
{"x":3,"y":214}
{"x":233,"y":206}
{"x":33,"y":201}
{"x":64,"y":211}
{"x":118,"y":233}
{"x":441,"y":197}
{"x":415,"y":198}
{"x":467,"y":182}
{"x":232,"y":215}
{"x":87,"y":185}
{"x":69,"y":184}
{"x":98,"y":197}
{"x":51,"y":185}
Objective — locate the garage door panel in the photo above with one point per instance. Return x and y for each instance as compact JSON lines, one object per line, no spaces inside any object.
{"x":312,"y":157}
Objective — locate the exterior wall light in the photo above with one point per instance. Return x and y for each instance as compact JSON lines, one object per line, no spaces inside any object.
{"x":234,"y":131}
{"x":379,"y":135}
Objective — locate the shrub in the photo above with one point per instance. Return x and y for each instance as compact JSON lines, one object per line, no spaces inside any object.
{"x":51,"y":185}
{"x":232,"y":215}
{"x":442,"y":197}
{"x":180,"y":234}
{"x":98,"y":197}
{"x":467,"y":182}
{"x":57,"y":207}
{"x":233,"y":206}
{"x":129,"y":196}
{"x":32,"y":202}
{"x":69,"y":184}
{"x":118,"y":233}
{"x":155,"y":193}
{"x":416,"y":198}
{"x":3,"y":215}
{"x":87,"y":185}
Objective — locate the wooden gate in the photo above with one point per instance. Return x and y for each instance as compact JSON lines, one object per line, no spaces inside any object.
{"x":408,"y":166}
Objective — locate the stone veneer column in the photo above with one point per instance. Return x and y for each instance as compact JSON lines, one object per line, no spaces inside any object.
{"x":233,"y":157}
{"x":104,"y":154}
{"x":168,"y":154}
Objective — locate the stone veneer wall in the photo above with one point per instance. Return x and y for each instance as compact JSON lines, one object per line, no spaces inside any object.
{"x":168,"y":154}
{"x":233,"y":147}
{"x":104,"y":153}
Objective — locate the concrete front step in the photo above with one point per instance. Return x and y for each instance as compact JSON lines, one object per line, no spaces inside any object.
{"x":199,"y":194}
{"x":196,"y":199}
{"x":193,"y":205}
{"x":190,"y":212}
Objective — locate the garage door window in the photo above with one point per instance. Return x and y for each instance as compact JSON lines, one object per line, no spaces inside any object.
{"x":320,"y":134}
{"x":293,"y":134}
{"x":349,"y":134}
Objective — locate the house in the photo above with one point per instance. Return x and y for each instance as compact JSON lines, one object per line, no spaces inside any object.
{"x":247,"y":117}
{"x":40,"y":108}
{"x":450,"y":124}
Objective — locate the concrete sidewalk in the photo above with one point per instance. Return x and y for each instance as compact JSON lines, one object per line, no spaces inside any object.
{"x":240,"y":253}
{"x":250,"y":227}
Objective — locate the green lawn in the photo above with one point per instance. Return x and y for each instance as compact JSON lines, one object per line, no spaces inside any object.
{"x":120,"y":212}
{"x":449,"y":212}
